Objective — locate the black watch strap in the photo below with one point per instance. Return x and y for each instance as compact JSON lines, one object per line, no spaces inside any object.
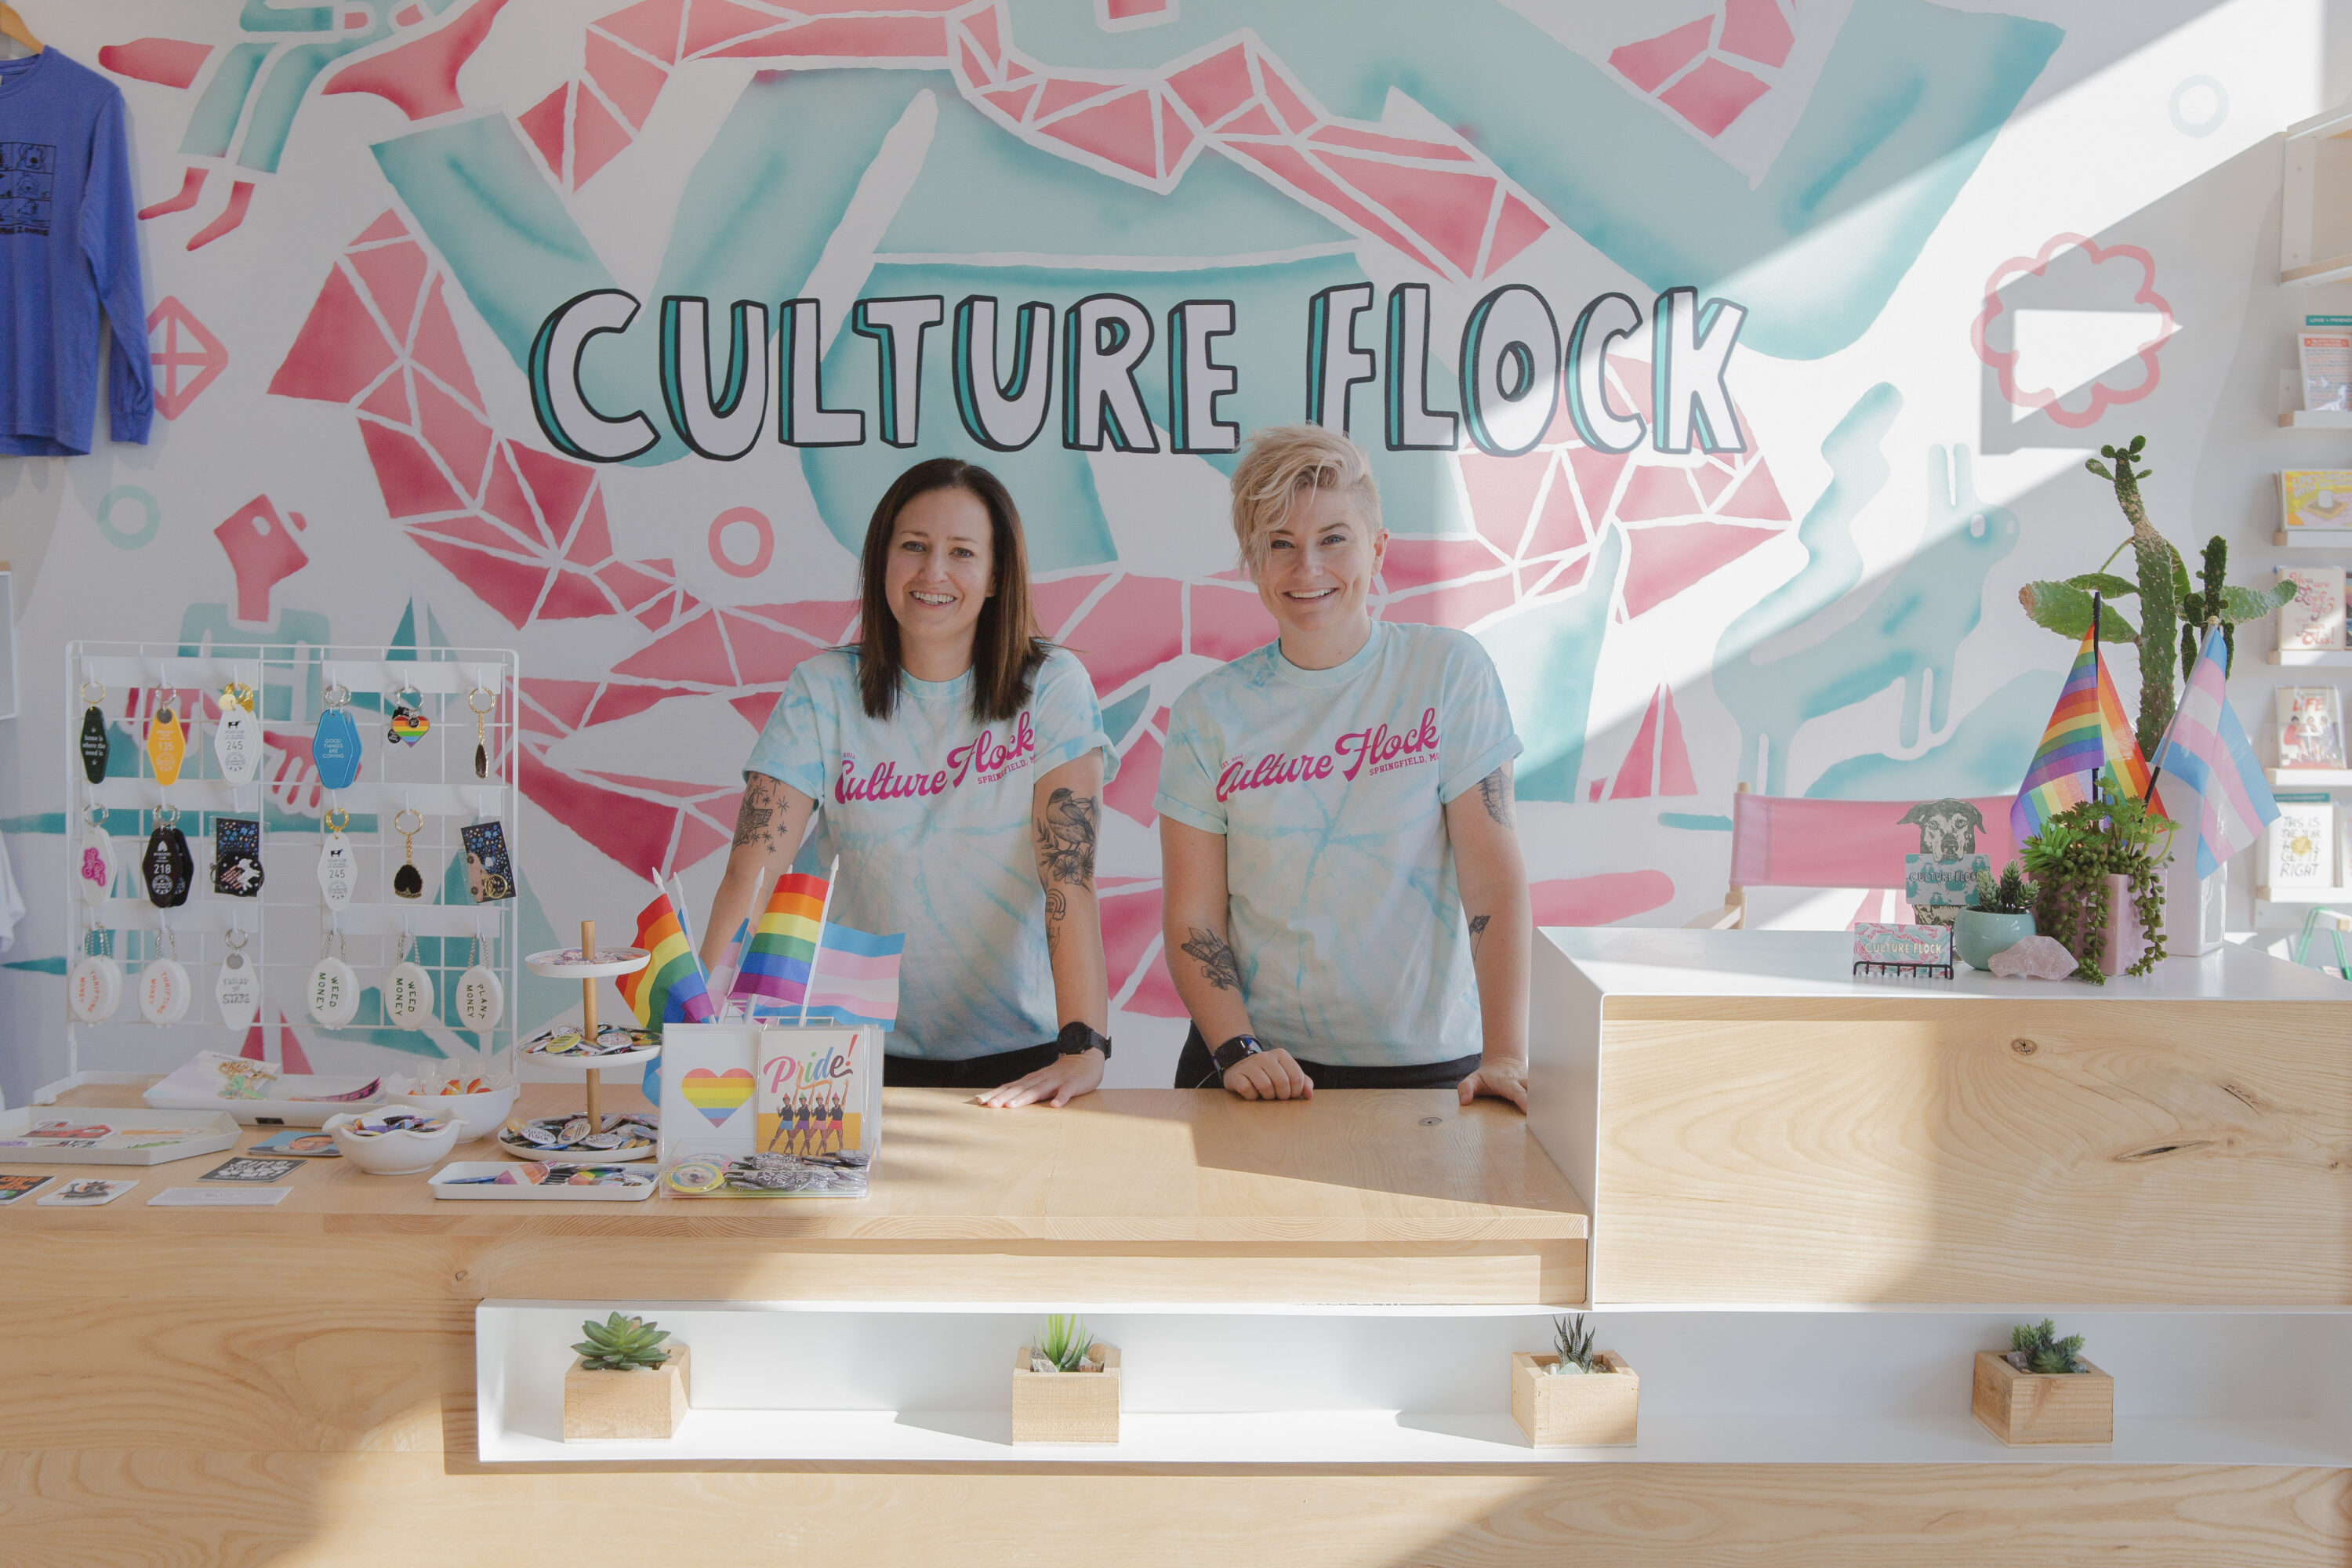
{"x":1231,"y":1053}
{"x":1076,"y":1039}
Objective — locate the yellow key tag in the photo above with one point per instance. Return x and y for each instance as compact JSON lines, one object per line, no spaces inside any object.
{"x":167,"y":743}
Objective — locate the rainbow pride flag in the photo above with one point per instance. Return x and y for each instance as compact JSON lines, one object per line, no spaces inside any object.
{"x":797,"y":956}
{"x":669,"y":989}
{"x":2086,"y":733}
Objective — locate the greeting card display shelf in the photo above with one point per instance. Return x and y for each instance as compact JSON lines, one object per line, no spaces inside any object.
{"x":286,"y":928}
{"x":2309,"y":657}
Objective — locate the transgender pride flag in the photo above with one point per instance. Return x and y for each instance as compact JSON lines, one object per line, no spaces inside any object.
{"x":2086,"y":731}
{"x":2206,"y":751}
{"x":797,"y":956}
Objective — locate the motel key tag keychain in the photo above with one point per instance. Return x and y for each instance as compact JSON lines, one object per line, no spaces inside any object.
{"x":171,"y":869}
{"x":335,"y":745}
{"x":237,"y":989}
{"x":407,"y":993}
{"x":237,"y":736}
{"x":481,"y":997}
{"x":94,"y":742}
{"x":94,"y":867}
{"x":339,"y":868}
{"x":167,"y":742}
{"x":333,"y":991}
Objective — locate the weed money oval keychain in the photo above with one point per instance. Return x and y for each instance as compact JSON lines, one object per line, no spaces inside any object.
{"x":333,"y":991}
{"x":236,"y":737}
{"x":170,"y":870}
{"x":481,"y":997}
{"x":94,"y":985}
{"x":167,"y":742}
{"x":163,"y":987}
{"x":237,"y":990}
{"x":339,"y":871}
{"x":94,"y":865}
{"x":94,"y":742}
{"x":335,"y":745}
{"x":407,"y":993}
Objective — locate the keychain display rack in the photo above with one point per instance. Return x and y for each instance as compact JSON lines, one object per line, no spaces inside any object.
{"x":287,"y":927}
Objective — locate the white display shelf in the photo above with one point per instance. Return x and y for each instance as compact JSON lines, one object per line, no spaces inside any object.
{"x":2314,"y":539}
{"x":2319,"y":418}
{"x":2311,"y":778}
{"x":2309,"y":656}
{"x":2301,"y":896}
{"x":2300,"y":233}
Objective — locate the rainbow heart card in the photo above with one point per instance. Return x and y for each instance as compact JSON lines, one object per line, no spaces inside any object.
{"x":708,"y":1090}
{"x":718,"y":1095}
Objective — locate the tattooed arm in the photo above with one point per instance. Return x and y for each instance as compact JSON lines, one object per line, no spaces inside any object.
{"x":1065,"y":822}
{"x":1193,"y":914}
{"x":1480,"y":822}
{"x":768,"y":828}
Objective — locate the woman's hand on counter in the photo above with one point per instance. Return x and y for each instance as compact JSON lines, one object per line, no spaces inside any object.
{"x":1060,"y":1084}
{"x":1500,"y":1081}
{"x":1269,"y":1075}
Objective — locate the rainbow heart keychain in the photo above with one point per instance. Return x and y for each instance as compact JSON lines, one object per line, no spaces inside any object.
{"x":236,"y":734}
{"x":408,"y":721}
{"x":335,"y":744}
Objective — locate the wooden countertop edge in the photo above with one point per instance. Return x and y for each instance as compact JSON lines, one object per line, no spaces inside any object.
{"x":1099,"y":1232}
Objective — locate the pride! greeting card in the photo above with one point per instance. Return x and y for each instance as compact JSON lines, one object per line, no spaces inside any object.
{"x":810,"y":1089}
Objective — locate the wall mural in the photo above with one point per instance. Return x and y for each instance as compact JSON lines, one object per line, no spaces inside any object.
{"x":597,"y":338}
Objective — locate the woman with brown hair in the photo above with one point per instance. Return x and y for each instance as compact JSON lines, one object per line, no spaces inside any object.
{"x":960,"y":760}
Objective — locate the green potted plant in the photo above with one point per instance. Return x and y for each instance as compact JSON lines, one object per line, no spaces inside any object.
{"x":1577,"y":1396}
{"x":1065,"y":1386}
{"x":624,"y":1383}
{"x":2002,"y":917}
{"x":2040,"y":1390}
{"x":2098,"y":870}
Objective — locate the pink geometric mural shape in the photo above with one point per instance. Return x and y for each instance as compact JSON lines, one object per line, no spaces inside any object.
{"x":1758,"y":497}
{"x":574,"y":596}
{"x":1254,"y":122}
{"x":1065,"y":92}
{"x":825,"y":621}
{"x":476,"y":531}
{"x":436,"y":347}
{"x":564,"y":702}
{"x":1283,"y":99}
{"x":339,"y":350}
{"x":412,"y":486}
{"x":185,"y":356}
{"x":1599,"y":900}
{"x":694,"y":650}
{"x":192,"y":188}
{"x":1595,"y":476}
{"x":1419,"y":563}
{"x":1756,"y":31}
{"x":391,"y":400}
{"x":558,"y":484}
{"x":509,"y":587}
{"x":1446,"y":208}
{"x":1136,"y":627}
{"x":1380,"y":141}
{"x":1632,"y":781}
{"x":543,"y":122}
{"x":631,"y":830}
{"x":982,"y":26}
{"x":1502,"y":493}
{"x":1175,"y":133}
{"x":1713,"y":95}
{"x":1139,"y":780}
{"x":1675,"y":777}
{"x":387,"y":225}
{"x":169,"y":62}
{"x":1663,"y":562}
{"x":1453,"y":604}
{"x":756,"y":708}
{"x":1517,"y":227}
{"x":870,"y":40}
{"x":975,"y":69}
{"x":766,"y":655}
{"x":505,"y":498}
{"x":652,"y":25}
{"x":712,"y":23}
{"x":596,"y":138}
{"x":1712,"y":478}
{"x":1119,"y":132}
{"x":1014,"y":101}
{"x":420,"y":77}
{"x":392,"y":276}
{"x":263,"y":553}
{"x":1137,"y":10}
{"x":592,"y":541}
{"x":1562,"y":527}
{"x":1657,"y":491}
{"x":1653,"y":61}
{"x":1130,"y":920}
{"x":616,"y":703}
{"x":453,"y":432}
{"x":1228,"y":621}
{"x":1311,"y":182}
{"x":1215,"y":87}
{"x":631,"y":81}
{"x":1055,"y":602}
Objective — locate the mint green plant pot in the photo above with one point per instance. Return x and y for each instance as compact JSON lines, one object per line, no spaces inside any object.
{"x":1978,"y":934}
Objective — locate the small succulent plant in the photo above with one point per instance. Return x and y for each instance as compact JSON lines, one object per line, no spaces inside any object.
{"x":1573,"y":1338}
{"x":1062,"y":1344}
{"x":2043,"y":1350}
{"x":2009,"y":894}
{"x":622,"y":1345}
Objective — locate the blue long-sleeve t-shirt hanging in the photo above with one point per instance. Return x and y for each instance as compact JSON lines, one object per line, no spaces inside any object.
{"x":68,"y":249}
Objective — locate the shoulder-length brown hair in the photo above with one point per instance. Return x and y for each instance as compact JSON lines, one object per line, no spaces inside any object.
{"x":1005,"y":648}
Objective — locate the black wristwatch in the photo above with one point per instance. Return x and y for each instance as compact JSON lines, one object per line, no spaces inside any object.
{"x":1232,"y":1053}
{"x":1076,"y":1039}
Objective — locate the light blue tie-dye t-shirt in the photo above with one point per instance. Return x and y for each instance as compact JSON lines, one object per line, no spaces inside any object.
{"x":929,"y":811}
{"x":1330,"y":786}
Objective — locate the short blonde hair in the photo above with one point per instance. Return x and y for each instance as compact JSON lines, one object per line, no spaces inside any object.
{"x":1283,"y":460}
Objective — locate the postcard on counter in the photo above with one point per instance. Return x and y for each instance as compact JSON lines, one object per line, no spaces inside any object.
{"x":242,"y":1169}
{"x":217,"y":1197}
{"x":299,"y":1143}
{"x":14,"y":1187}
{"x":84,"y":1195}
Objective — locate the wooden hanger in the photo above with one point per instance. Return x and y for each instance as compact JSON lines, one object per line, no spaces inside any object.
{"x":12,"y":26}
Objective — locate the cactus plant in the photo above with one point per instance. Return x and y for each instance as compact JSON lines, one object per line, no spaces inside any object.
{"x":622,"y":1345}
{"x":1063,"y":1343}
{"x":2043,"y":1350}
{"x":2010,"y":894}
{"x":1573,"y":1338}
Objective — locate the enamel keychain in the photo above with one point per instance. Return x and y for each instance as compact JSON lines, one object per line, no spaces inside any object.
{"x":408,"y":721}
{"x":163,"y":987}
{"x":167,"y":743}
{"x":483,"y":701}
{"x":94,"y":985}
{"x":170,"y":869}
{"x":407,"y":991}
{"x":335,"y":745}
{"x":237,"y":990}
{"x":94,"y":742}
{"x":481,"y":997}
{"x":408,"y":882}
{"x":334,"y":990}
{"x":236,"y":735}
{"x":94,"y":867}
{"x":339,"y":871}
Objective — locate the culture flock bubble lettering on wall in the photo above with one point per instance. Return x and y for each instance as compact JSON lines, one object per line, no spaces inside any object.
{"x":600,"y":339}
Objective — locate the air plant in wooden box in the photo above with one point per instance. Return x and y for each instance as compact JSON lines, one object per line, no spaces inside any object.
{"x":1065,"y":1386}
{"x":2041,"y":1390}
{"x":1557,"y":1400}
{"x":604,"y":1398}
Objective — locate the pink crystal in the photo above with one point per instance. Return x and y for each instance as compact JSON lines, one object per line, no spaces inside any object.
{"x":2037,"y":958}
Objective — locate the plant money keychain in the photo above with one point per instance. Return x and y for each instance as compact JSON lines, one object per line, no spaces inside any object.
{"x":333,"y":991}
{"x":94,"y":865}
{"x":237,"y":990}
{"x":167,"y":743}
{"x":407,"y":991}
{"x":237,"y":736}
{"x":481,"y":997}
{"x":94,"y":742}
{"x":408,"y":882}
{"x":163,"y":986}
{"x":338,"y":870}
{"x":169,"y":868}
{"x":335,"y":745}
{"x":408,"y":721}
{"x":94,"y":985}
{"x":483,"y":701}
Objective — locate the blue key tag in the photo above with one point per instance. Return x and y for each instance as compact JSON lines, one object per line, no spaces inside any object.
{"x":335,"y":746}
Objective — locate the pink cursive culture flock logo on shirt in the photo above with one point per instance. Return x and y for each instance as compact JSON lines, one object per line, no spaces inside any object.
{"x":983,"y":760}
{"x":1378,"y":750}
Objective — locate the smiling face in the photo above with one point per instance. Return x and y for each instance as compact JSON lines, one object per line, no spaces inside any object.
{"x":937,"y":574}
{"x":1315,"y":570}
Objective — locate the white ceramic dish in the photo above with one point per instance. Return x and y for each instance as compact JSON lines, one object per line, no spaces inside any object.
{"x":523,"y":1149}
{"x":446,"y":1184}
{"x":478,"y":1115}
{"x":401,"y":1153}
{"x":564,"y":963}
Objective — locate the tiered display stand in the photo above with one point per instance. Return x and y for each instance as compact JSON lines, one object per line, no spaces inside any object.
{"x":591,"y":969}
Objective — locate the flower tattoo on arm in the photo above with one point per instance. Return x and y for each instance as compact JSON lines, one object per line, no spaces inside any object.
{"x":1065,"y":837}
{"x":1215,"y":956}
{"x":758,"y":812}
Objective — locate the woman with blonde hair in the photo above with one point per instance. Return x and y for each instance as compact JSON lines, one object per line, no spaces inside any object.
{"x":1344,"y":900}
{"x":961,"y":758}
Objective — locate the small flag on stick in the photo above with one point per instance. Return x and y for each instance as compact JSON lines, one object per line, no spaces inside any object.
{"x":2206,"y":753}
{"x":669,"y":989}
{"x":2086,"y":733}
{"x":798,"y":957}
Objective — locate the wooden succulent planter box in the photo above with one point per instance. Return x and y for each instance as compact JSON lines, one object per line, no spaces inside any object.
{"x":2043,"y":1408}
{"x":611,"y":1406}
{"x":1067,"y":1406}
{"x":1598,"y":1410}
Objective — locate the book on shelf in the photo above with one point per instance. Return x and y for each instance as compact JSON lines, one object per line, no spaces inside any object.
{"x":2310,"y":727}
{"x":2324,"y":351}
{"x":2315,"y":501}
{"x":2314,"y":619}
